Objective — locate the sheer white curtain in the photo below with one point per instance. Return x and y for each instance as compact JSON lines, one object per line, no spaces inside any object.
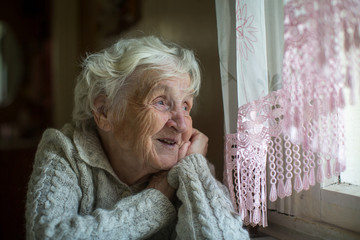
{"x":255,"y":69}
{"x":284,"y":135}
{"x":250,"y":39}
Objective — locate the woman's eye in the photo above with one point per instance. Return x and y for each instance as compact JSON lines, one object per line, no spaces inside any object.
{"x":186,"y":107}
{"x":161,"y":104}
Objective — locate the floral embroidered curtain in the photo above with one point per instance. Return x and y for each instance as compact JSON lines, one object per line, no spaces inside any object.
{"x":295,"y":132}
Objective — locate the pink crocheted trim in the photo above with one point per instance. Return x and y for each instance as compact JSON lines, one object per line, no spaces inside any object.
{"x":298,"y":129}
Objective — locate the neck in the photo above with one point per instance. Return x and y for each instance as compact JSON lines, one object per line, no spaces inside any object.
{"x":129,"y":174}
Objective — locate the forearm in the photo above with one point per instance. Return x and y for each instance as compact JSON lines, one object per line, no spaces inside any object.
{"x":205,"y":211}
{"x":133,"y":218}
{"x":55,"y":210}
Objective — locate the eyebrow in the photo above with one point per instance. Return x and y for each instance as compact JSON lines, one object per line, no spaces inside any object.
{"x":162,"y":87}
{"x":159,"y":87}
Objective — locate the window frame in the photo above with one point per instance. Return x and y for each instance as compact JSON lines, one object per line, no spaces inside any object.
{"x":330,"y":210}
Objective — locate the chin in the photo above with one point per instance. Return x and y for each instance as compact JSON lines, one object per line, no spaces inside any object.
{"x":164,"y":156}
{"x":166,"y":163}
{"x":168,"y":166}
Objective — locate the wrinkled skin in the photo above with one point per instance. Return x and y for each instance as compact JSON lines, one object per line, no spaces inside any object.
{"x":155,"y":133}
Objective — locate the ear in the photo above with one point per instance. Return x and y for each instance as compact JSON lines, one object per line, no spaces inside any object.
{"x":100,"y":114}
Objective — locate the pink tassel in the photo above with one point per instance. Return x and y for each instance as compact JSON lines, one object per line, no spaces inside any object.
{"x":257,"y":215}
{"x":312,"y":177}
{"x":281,"y":189}
{"x":298,"y":186}
{"x":297,"y":120}
{"x":352,"y":96}
{"x":316,"y":109}
{"x":332,"y":102}
{"x":346,"y":37}
{"x":342,"y":167}
{"x":315,"y":143}
{"x":250,"y":217}
{"x":337,"y":168}
{"x":273,"y":194}
{"x":264,"y":216}
{"x":246,"y":221}
{"x":305,"y":144}
{"x":243,"y":211}
{"x":288,"y":188}
{"x":348,"y":81}
{"x":341,"y":98}
{"x":328,"y":169}
{"x":306,"y":185}
{"x":249,"y":201}
{"x":286,"y":121}
{"x":320,"y":175}
{"x":350,"y":84}
{"x":356,"y":36}
{"x":294,"y":135}
{"x":263,"y":195}
{"x":321,"y":57}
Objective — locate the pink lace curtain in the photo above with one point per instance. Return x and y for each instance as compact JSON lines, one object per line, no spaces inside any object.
{"x":297,"y":132}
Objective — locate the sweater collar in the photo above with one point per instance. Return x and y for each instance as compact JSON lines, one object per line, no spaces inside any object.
{"x":91,"y":151}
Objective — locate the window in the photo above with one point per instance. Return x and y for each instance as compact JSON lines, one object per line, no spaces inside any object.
{"x":341,"y":201}
{"x":352,"y":133}
{"x":332,"y":210}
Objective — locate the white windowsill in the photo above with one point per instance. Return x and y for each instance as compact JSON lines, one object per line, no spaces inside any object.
{"x":284,"y":227}
{"x":339,"y":217}
{"x":341,"y":206}
{"x":344,"y":188}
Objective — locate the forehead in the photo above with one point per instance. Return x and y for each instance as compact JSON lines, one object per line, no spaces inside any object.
{"x":177,"y":85}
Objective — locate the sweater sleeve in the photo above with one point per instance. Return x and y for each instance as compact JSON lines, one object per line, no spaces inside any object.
{"x":54,"y":202}
{"x":206,"y":212}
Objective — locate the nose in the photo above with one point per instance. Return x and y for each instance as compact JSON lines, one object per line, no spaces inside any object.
{"x":177,"y":121}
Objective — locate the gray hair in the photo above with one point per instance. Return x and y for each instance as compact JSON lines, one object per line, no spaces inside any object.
{"x":111,"y":70}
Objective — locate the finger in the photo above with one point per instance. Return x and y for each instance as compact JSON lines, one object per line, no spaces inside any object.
{"x":199,"y":144}
{"x":195,"y":133}
{"x":183,"y":150}
{"x":194,"y":130}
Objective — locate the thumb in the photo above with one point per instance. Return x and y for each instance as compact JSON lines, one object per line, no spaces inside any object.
{"x":183,"y":150}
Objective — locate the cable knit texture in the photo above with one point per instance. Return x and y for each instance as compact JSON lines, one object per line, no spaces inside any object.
{"x":206,"y":212}
{"x":73,"y":193}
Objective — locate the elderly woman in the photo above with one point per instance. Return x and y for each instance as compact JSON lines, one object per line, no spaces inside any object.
{"x":130,"y":166}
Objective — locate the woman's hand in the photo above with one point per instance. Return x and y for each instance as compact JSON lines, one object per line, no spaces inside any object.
{"x":198,"y":143}
{"x":159,"y":182}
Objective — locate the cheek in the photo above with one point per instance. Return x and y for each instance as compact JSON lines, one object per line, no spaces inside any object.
{"x":145,"y":127}
{"x":153,"y":122}
{"x":124,"y":133}
{"x":149,"y":122}
{"x":187,"y":135}
{"x":137,"y":128}
{"x":161,"y":118}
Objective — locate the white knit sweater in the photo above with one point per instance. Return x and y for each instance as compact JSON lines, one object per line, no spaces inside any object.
{"x":74,"y":193}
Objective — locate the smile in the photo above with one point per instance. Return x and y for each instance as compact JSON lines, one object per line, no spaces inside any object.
{"x":167,"y":141}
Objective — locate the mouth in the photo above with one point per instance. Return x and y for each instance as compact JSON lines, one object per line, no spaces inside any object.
{"x":167,"y":141}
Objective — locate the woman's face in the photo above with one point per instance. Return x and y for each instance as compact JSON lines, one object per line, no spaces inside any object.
{"x":157,"y":122}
